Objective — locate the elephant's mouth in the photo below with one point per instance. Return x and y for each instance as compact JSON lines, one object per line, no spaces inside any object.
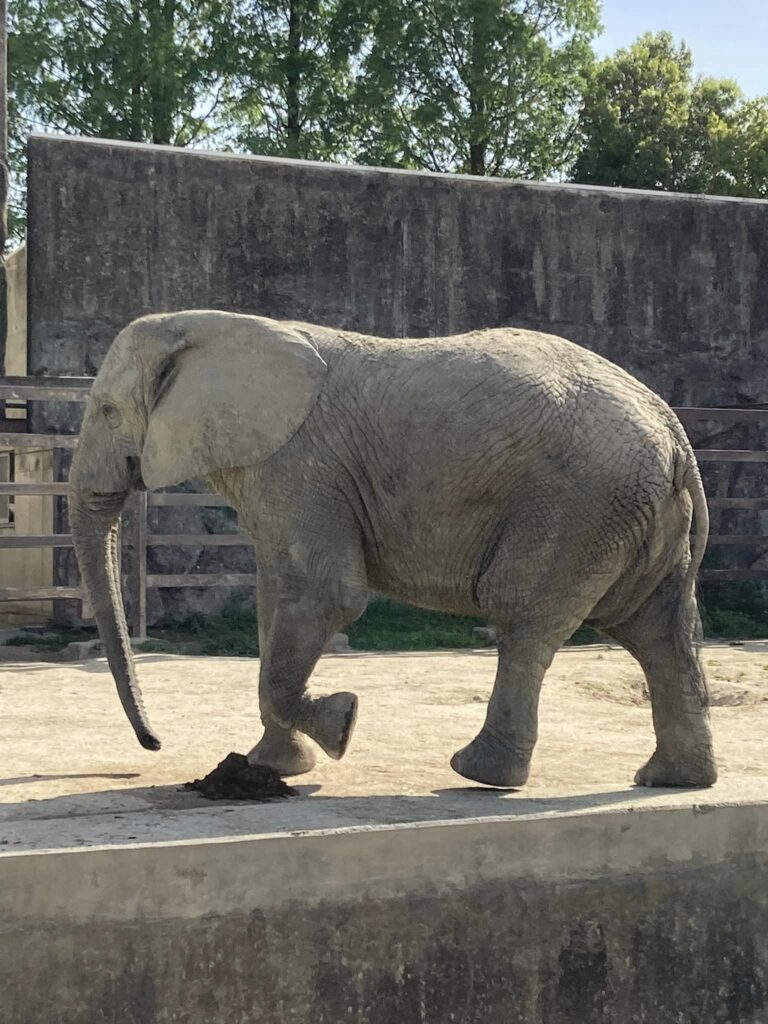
{"x":103,"y":501}
{"x":135,"y":479}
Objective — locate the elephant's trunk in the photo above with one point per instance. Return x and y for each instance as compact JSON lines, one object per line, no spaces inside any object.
{"x":94,"y":529}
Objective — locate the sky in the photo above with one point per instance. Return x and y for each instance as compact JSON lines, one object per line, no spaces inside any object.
{"x":728,"y":40}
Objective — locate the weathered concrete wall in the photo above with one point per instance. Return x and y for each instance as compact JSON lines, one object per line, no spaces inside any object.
{"x":647,"y":917}
{"x":671,"y":287}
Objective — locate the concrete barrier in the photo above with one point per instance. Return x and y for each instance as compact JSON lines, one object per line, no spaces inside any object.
{"x":596,"y":917}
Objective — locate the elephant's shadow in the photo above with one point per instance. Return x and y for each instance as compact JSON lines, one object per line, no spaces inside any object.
{"x":160,"y":813}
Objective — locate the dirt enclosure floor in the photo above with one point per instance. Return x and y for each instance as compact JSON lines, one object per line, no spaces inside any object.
{"x":73,"y":774}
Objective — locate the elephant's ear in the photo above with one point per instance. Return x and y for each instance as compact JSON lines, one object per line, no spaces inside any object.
{"x":234,"y":391}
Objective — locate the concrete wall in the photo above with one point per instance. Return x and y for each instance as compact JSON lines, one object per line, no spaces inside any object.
{"x":671,"y":287}
{"x":649,"y":917}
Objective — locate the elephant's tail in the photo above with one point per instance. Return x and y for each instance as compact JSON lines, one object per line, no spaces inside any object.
{"x":692,"y":483}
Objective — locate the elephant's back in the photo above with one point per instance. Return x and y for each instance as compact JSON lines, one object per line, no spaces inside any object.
{"x":502,"y":386}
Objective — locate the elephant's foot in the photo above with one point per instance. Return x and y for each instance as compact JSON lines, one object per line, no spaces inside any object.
{"x":492,"y":761}
{"x":691,"y":770}
{"x":330,"y":722}
{"x":284,"y":750}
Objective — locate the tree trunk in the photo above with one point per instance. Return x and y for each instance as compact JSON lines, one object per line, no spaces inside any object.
{"x":162,"y":64}
{"x":135,"y":132}
{"x":293,"y":80}
{"x":478,"y":133}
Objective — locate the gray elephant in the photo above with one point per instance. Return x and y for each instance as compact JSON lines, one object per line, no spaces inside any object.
{"x":504,"y":473}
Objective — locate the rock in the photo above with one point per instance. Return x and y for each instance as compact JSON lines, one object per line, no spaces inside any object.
{"x":338,"y":644}
{"x":484,"y":636}
{"x":82,"y":650}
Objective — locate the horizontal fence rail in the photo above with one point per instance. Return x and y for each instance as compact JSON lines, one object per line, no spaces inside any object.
{"x":39,"y":593}
{"x":208,"y":579}
{"x":77,"y":389}
{"x":34,"y":488}
{"x":40,"y":540}
{"x":56,"y":389}
{"x":737,"y":414}
{"x":25,"y":440}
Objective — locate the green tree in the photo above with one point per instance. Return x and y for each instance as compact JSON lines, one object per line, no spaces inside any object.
{"x":646,"y":122}
{"x":142,"y":70}
{"x":746,"y":170}
{"x":477,"y":86}
{"x":291,"y":72}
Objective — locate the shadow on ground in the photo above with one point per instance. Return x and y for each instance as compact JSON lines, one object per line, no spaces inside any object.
{"x":163,"y":813}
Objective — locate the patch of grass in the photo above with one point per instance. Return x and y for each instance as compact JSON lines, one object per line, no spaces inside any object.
{"x":156,"y":645}
{"x":385,"y":626}
{"x":233,"y":633}
{"x":733,"y":625}
{"x":731,"y":611}
{"x":734,"y":611}
{"x":388,"y":626}
{"x":585,"y":635}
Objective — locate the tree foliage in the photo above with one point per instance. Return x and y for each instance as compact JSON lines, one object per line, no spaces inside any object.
{"x":647,"y":122}
{"x":142,"y":70}
{"x":502,"y":87}
{"x":122,"y":69}
{"x":479,"y":86}
{"x":290,"y":73}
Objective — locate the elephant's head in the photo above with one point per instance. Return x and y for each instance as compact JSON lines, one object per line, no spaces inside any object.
{"x":178,"y":396}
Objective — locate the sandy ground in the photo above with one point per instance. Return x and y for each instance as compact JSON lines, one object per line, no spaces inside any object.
{"x":73,"y":773}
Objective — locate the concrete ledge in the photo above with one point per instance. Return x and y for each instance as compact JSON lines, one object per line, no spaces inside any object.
{"x":193,"y":878}
{"x":620,"y":917}
{"x":389,"y":891}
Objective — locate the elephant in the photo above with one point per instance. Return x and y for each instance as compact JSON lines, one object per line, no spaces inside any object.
{"x":503,"y":473}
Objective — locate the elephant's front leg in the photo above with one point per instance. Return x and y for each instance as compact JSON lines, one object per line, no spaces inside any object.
{"x":285,"y":750}
{"x":291,"y":643}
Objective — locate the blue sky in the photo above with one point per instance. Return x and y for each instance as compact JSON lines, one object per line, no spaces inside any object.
{"x":728,"y":39}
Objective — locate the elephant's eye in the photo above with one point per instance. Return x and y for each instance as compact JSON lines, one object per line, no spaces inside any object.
{"x":112,"y":414}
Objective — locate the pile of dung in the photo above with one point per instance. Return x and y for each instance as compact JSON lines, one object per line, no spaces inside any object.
{"x":235,"y":779}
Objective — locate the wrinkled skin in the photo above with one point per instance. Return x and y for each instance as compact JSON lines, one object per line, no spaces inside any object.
{"x":505,"y":474}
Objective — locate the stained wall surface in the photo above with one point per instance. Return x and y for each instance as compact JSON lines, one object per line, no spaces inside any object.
{"x":601,"y":918}
{"x":674,"y":288}
{"x":671,"y":287}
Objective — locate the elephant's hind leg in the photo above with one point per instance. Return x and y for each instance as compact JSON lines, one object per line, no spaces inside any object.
{"x":542,"y":601}
{"x":661,"y":635}
{"x":500,"y":755}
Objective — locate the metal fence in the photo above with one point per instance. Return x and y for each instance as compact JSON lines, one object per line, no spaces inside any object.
{"x":15,"y":390}
{"x":136,"y":536}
